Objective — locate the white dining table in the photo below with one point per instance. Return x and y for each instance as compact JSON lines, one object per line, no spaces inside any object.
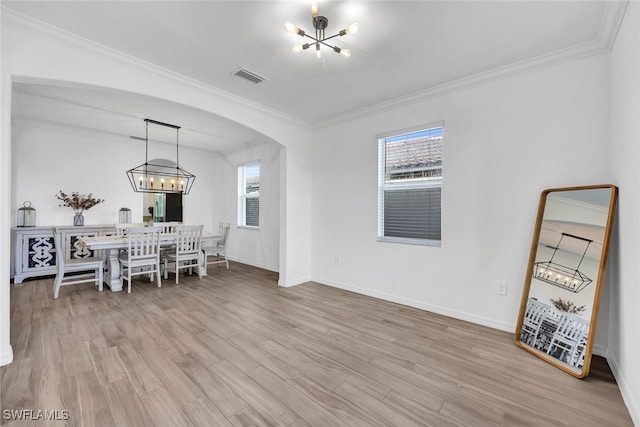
{"x":114,"y":244}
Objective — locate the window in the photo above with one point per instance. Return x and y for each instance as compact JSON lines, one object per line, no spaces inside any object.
{"x":249,"y":195}
{"x":410,"y":186}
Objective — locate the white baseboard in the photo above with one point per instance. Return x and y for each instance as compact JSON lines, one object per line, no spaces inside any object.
{"x":627,"y":396}
{"x":599,"y":350}
{"x":484,"y":321}
{"x":6,"y":356}
{"x":293,"y":282}
{"x":254,"y":264}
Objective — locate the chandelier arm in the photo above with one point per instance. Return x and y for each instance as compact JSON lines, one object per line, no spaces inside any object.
{"x":333,"y":36}
{"x":311,"y":37}
{"x":326,"y":44}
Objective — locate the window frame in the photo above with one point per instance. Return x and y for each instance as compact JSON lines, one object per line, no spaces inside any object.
{"x":406,"y":184}
{"x":243,"y":195}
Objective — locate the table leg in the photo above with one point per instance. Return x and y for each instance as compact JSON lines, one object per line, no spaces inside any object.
{"x":203,"y":261}
{"x":112,"y":271}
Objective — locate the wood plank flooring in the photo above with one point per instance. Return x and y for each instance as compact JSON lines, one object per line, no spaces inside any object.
{"x":236,"y":350}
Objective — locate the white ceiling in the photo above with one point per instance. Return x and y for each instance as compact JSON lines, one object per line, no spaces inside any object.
{"x":402,"y":48}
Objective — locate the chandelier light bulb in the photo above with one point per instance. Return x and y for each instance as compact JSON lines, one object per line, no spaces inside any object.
{"x":318,"y":51}
{"x":353,"y":28}
{"x":345,"y":52}
{"x":297,"y":48}
{"x":289,"y":27}
{"x":314,"y":9}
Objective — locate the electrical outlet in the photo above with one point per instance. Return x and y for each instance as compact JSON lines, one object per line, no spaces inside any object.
{"x":501,"y":287}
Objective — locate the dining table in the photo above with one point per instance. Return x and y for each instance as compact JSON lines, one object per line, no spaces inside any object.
{"x":112,"y":245}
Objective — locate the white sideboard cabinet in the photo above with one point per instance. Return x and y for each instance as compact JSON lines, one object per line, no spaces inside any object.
{"x":33,"y":253}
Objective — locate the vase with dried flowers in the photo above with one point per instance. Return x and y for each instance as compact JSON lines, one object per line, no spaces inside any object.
{"x":79,"y":203}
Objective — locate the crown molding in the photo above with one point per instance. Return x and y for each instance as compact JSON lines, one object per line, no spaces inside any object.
{"x":29,"y":25}
{"x":609,"y":27}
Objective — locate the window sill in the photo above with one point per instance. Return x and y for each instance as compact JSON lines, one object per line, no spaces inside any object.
{"x":407,"y":241}
{"x":249,"y":227}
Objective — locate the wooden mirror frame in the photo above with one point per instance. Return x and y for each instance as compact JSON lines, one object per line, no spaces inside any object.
{"x":587,"y":346}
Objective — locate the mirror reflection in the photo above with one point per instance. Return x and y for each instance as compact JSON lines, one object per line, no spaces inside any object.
{"x":561,"y":294}
{"x":162,"y":207}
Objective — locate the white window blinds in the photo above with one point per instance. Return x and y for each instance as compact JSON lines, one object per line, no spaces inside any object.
{"x":410,"y":187}
{"x":249,"y":195}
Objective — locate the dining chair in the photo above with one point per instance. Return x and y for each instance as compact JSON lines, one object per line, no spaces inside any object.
{"x":187,"y":251}
{"x":569,"y":336}
{"x":219,"y":249}
{"x":142,"y":255}
{"x":167,"y":227}
{"x":121,"y":229}
{"x":532,"y":320}
{"x":85,"y":270}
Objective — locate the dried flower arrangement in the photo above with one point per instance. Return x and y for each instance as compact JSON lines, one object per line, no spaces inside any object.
{"x":567,"y":306}
{"x":78,"y":202}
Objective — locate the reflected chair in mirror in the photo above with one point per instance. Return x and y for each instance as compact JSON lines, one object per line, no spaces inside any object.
{"x":187,"y":251}
{"x":219,"y":250}
{"x":532,"y":320}
{"x":73,"y":271}
{"x":568,"y":338}
{"x":142,"y":255}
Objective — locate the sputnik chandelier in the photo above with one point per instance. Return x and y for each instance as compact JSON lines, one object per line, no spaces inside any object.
{"x":320,"y":24}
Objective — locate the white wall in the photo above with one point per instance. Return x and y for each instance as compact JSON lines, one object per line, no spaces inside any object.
{"x":259,"y":247}
{"x":624,"y":145}
{"x":48,"y":159}
{"x":504,"y":143}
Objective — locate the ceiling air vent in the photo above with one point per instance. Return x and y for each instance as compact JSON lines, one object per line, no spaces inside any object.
{"x":249,"y":76}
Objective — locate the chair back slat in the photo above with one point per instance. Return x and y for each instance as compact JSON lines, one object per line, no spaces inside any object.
{"x":143,"y":242}
{"x":535,"y":312}
{"x":167,"y":227}
{"x":121,"y":229}
{"x":572,"y":327}
{"x":189,"y":240}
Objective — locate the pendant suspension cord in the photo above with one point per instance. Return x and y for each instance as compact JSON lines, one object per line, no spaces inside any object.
{"x":146,"y":154}
{"x":583,"y":254}
{"x":177,"y":160}
{"x":556,"y":248}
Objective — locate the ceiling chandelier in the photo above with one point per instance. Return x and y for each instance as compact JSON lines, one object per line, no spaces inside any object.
{"x":157,"y":177}
{"x":320,"y":24}
{"x":568,"y":278}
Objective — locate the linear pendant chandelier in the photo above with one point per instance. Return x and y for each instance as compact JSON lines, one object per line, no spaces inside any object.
{"x":568,"y":278}
{"x":159,"y":178}
{"x":320,"y":23}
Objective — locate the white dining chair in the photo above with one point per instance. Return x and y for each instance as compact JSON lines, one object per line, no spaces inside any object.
{"x":121,"y":229}
{"x":219,"y":249}
{"x":142,"y":255}
{"x":532,"y":320}
{"x":167,"y":227}
{"x":186,"y":253}
{"x":71,"y":271}
{"x":570,"y":334}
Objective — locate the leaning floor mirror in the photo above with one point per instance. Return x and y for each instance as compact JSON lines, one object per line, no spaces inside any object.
{"x":563,"y":283}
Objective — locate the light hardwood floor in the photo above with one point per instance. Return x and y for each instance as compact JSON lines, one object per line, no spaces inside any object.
{"x":235,"y":349}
